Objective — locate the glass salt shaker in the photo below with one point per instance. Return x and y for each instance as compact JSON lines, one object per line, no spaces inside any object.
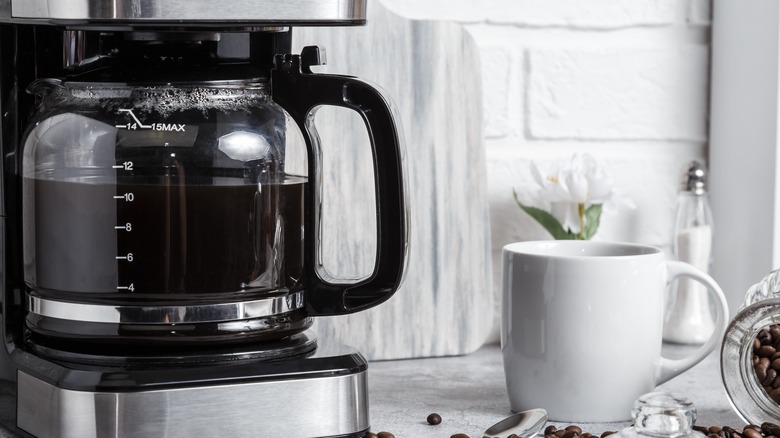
{"x":689,"y":320}
{"x":748,"y":353}
{"x":661,"y":414}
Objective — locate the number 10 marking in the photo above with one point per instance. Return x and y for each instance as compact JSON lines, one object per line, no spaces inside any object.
{"x":127,"y":197}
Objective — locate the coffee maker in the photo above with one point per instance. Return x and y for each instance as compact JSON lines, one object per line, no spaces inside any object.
{"x":160,"y":220}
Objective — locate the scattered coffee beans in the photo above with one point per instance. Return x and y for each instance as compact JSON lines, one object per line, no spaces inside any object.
{"x":766,"y":360}
{"x":571,"y":432}
{"x":765,"y":430}
{"x":434,"y":419}
{"x":749,"y":431}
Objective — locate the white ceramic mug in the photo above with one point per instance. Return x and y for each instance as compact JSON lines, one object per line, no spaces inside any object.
{"x":582,"y":324}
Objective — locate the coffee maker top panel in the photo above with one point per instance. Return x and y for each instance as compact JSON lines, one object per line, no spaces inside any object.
{"x":186,"y":13}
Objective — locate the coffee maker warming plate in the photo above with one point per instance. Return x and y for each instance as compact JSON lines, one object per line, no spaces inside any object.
{"x":186,"y":12}
{"x":320,"y":395}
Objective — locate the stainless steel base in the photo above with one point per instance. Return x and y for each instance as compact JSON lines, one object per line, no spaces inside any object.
{"x":300,"y":406}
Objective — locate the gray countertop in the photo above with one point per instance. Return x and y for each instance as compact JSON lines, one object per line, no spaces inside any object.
{"x":469,"y":394}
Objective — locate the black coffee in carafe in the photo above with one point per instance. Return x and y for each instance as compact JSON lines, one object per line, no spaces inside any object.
{"x":166,"y":237}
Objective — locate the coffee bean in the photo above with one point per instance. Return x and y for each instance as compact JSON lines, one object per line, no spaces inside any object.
{"x":370,"y":435}
{"x":770,"y":377}
{"x":701,"y":429}
{"x":559,"y":433}
{"x":459,"y":435}
{"x":760,"y":372}
{"x":714,"y":429}
{"x":514,"y":435}
{"x":766,"y":351}
{"x":434,"y":419}
{"x":774,"y":331}
{"x":549,"y":430}
{"x":574,"y":428}
{"x":570,"y":434}
{"x":607,"y":433}
{"x":385,"y":435}
{"x":713,"y":435}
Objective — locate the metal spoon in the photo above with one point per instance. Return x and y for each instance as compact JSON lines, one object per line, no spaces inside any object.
{"x":523,"y":424}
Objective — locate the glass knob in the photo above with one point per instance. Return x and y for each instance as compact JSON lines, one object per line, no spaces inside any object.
{"x":663,"y":414}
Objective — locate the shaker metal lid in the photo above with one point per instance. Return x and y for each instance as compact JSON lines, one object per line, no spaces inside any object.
{"x":694,"y":178}
{"x":194,"y":13}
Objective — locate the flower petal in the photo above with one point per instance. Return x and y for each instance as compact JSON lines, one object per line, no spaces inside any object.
{"x":577,"y":184}
{"x":567,"y":214}
{"x":600,"y":185}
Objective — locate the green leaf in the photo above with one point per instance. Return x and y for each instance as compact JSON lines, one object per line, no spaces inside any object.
{"x":546,"y":220}
{"x":592,"y":220}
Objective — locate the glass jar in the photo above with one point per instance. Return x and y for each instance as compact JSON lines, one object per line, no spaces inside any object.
{"x":749,"y":349}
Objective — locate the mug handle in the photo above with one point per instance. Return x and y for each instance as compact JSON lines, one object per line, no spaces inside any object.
{"x":672,"y":367}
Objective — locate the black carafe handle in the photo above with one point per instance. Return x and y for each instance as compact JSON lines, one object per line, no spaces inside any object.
{"x":301,"y":92}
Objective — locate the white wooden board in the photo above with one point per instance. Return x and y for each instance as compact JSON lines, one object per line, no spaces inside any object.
{"x":431,"y":70}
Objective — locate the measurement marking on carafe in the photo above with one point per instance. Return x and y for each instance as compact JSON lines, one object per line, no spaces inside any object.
{"x":127,"y":165}
{"x":127,"y":227}
{"x":131,"y":288}
{"x":131,"y":126}
{"x":128,"y":257}
{"x":129,"y":197}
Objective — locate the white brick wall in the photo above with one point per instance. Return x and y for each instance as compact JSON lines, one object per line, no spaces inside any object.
{"x":624,"y":80}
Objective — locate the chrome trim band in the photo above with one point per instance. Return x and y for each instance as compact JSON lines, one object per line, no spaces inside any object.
{"x":306,"y":406}
{"x":243,"y":11}
{"x":164,"y":314}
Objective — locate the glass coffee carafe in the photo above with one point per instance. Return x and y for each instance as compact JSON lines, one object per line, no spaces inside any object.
{"x":172,"y":213}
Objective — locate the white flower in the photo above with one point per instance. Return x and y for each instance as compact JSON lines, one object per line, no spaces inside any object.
{"x":570,"y":187}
